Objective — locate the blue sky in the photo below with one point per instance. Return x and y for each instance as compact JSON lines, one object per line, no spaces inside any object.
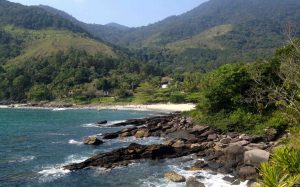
{"x":126,"y":12}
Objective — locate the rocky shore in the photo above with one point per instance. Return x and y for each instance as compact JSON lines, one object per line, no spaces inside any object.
{"x":229,"y":153}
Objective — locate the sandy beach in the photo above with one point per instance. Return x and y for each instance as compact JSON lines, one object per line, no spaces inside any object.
{"x":153,"y":107}
{"x":149,"y":107}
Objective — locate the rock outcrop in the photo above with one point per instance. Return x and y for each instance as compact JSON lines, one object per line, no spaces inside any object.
{"x":174,"y":177}
{"x":228,"y":153}
{"x":92,"y":140}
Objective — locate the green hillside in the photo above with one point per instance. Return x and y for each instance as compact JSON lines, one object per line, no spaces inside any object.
{"x":43,"y":43}
{"x":201,"y":37}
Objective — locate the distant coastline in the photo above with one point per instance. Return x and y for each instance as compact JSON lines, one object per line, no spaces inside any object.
{"x":163,"y":107}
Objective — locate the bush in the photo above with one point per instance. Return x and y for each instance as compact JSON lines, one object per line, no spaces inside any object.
{"x":39,"y":93}
{"x":283,"y":169}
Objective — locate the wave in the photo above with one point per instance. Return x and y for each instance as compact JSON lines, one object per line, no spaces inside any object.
{"x":50,"y":173}
{"x":207,"y":177}
{"x":58,"y":134}
{"x":108,"y":124}
{"x":59,"y":109}
{"x":144,"y":141}
{"x":23,"y":159}
{"x":75,"y":142}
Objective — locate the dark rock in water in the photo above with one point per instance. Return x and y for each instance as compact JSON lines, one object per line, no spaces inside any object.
{"x":200,"y":164}
{"x":133,"y":152}
{"x":174,"y":177}
{"x":102,"y":122}
{"x":111,"y":135}
{"x":214,"y":165}
{"x":229,"y":179}
{"x":92,"y":141}
{"x":192,"y":182}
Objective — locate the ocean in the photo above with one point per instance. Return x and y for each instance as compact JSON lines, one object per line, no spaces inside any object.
{"x":36,"y":143}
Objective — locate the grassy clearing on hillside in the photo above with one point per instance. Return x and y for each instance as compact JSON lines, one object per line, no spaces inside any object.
{"x":42,"y":43}
{"x":205,"y":39}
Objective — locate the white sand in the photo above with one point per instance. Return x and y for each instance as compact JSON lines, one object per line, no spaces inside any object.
{"x":154,"y":107}
{"x":151,"y":107}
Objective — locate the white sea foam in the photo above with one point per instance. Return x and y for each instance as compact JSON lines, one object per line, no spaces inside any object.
{"x":53,"y":172}
{"x":57,"y":134}
{"x":208,"y":178}
{"x":59,"y":109}
{"x":108,"y":124}
{"x":144,"y":141}
{"x":75,"y":142}
{"x":23,"y":159}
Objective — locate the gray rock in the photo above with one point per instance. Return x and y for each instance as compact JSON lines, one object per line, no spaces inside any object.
{"x":181,"y":134}
{"x":212,"y":137}
{"x":225,"y":140}
{"x":255,"y":157}
{"x":248,"y":172}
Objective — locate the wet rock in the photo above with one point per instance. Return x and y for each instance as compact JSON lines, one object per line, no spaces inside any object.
{"x":200,"y":164}
{"x":142,"y":133}
{"x":194,"y":168}
{"x":229,"y":179}
{"x":214,"y":165}
{"x":132,"y":153}
{"x":125,"y":134}
{"x":192,"y":182}
{"x":174,"y":177}
{"x":102,"y":122}
{"x":111,"y":135}
{"x":255,"y":157}
{"x":248,"y":172}
{"x":92,"y":140}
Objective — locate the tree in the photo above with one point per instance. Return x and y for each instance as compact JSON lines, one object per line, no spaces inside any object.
{"x":39,"y":93}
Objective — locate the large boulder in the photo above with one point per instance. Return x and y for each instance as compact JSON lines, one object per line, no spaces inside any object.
{"x":255,"y":157}
{"x":174,"y":177}
{"x":92,"y":140}
{"x":192,"y":182}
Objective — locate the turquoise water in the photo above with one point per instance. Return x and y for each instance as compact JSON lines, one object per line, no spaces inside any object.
{"x":35,"y":144}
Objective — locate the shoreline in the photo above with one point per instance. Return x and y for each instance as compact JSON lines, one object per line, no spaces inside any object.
{"x":159,"y":107}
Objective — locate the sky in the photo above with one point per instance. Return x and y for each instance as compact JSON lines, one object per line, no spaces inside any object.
{"x":131,"y":13}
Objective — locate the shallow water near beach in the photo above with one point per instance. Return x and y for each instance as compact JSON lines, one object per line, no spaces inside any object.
{"x":35,"y":144}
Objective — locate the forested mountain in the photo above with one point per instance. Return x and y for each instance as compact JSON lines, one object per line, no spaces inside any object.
{"x":212,"y":34}
{"x":44,"y":56}
{"x":109,"y":32}
{"x":33,"y":17}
